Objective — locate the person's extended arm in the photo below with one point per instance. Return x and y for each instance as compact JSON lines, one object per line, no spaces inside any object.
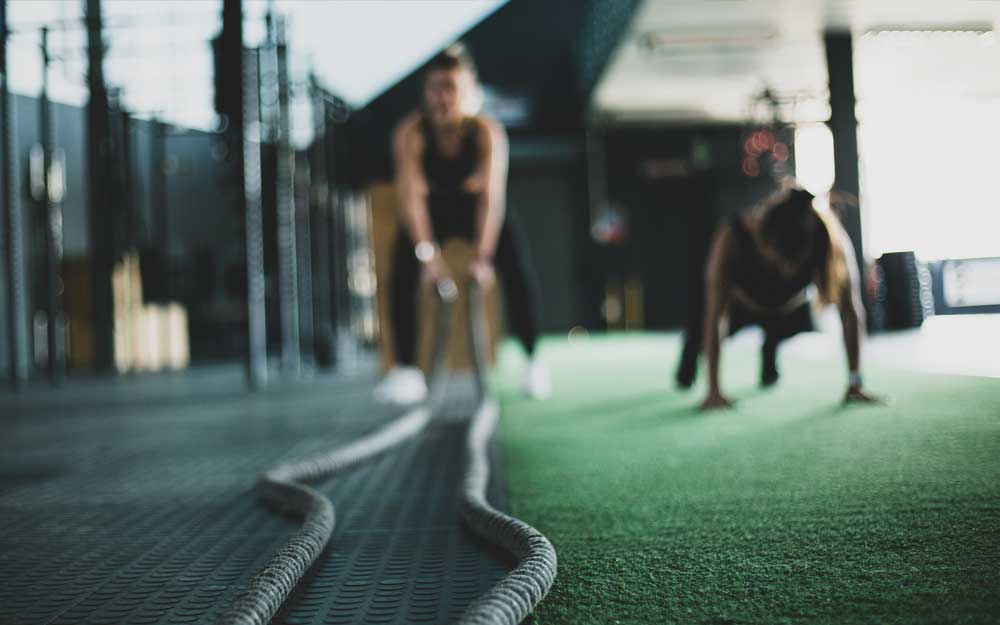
{"x":852,"y":315}
{"x":411,"y":189}
{"x":491,"y":178}
{"x":716,"y":298}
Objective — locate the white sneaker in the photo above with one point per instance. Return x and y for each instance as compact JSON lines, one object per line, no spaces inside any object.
{"x":402,"y":385}
{"x":537,"y":381}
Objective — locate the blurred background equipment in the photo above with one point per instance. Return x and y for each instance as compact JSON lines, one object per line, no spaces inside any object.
{"x":231,"y":150}
{"x":903,"y":297}
{"x":174,"y":195}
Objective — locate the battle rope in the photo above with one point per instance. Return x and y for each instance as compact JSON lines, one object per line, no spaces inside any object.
{"x":508,"y":602}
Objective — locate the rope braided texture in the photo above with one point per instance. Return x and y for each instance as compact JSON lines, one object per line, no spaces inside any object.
{"x":517,"y":594}
{"x":507,"y":603}
{"x":513,"y":598}
{"x":279,"y":488}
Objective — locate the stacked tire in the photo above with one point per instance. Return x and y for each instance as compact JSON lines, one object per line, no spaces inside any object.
{"x":902,"y":292}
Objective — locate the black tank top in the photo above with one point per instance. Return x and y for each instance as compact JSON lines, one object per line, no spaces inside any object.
{"x":446,"y":175}
{"x":753,"y":275}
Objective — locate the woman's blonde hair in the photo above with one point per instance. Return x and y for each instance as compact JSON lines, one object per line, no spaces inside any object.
{"x":454,"y":56}
{"x":457,"y":56}
{"x":834,"y":276}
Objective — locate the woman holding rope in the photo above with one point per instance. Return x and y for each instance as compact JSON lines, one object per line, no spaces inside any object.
{"x":451,"y":178}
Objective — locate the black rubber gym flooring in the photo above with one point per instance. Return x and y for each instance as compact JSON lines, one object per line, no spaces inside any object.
{"x":131,"y":501}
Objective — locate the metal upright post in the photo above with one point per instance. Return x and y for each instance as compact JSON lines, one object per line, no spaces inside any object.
{"x":102,"y":241}
{"x":161,"y":215}
{"x":844,"y":128}
{"x":339,"y":245}
{"x":238,"y":99}
{"x":20,"y":363}
{"x":52,"y":220}
{"x":254,"y":230}
{"x":126,"y":187}
{"x":320,"y":202}
{"x":291,"y":356}
{"x":303,"y":245}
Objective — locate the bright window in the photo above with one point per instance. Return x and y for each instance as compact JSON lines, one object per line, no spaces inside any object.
{"x":930,"y":142}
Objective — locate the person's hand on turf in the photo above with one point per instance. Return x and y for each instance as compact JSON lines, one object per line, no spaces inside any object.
{"x":715,"y":400}
{"x":856,"y":395}
{"x":481,"y":270}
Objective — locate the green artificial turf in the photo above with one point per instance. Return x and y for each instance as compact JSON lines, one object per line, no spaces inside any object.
{"x":787,"y":509}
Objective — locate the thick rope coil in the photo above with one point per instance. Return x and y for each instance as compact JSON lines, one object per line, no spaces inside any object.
{"x":507,"y":603}
{"x":279,"y":487}
{"x":513,"y":598}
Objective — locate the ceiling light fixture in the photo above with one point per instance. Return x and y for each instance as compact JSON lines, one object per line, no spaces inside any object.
{"x":744,"y":36}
